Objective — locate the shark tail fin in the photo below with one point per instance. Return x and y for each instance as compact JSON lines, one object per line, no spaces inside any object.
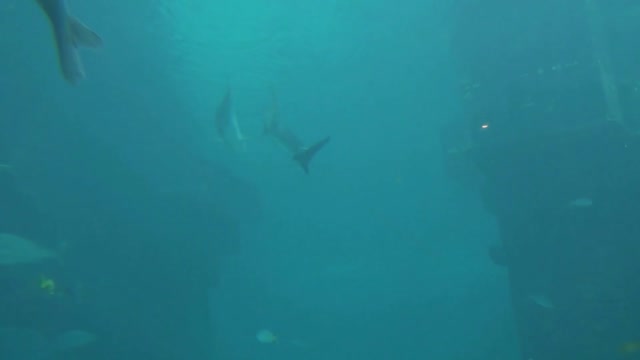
{"x":305,"y":156}
{"x":68,"y":41}
{"x":82,"y":35}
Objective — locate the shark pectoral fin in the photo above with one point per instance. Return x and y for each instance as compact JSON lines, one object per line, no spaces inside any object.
{"x":82,"y":35}
{"x":305,"y":156}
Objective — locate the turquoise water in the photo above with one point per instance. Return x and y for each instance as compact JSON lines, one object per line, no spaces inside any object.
{"x":183,"y":248}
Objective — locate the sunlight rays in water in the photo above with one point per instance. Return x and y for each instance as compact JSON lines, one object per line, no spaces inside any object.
{"x":226,"y":42}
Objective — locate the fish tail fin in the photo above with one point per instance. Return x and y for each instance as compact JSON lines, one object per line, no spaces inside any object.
{"x":82,"y":35}
{"x":305,"y":156}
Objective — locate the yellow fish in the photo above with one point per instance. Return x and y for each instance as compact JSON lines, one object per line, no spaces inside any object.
{"x":630,"y":347}
{"x":48,"y":285}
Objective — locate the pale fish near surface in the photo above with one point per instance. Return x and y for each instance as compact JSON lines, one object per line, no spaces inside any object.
{"x":542,"y":301}
{"x":266,"y":337}
{"x":581,"y":202}
{"x":17,"y":250}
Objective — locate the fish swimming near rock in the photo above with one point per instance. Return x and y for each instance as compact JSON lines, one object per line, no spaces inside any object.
{"x":16,"y":250}
{"x":69,"y":34}
{"x":227,"y":125}
{"x":301,"y":154}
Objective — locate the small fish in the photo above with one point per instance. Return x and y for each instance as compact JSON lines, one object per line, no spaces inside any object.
{"x":69,"y":34}
{"x":265,"y":336}
{"x":52,"y":287}
{"x":629,"y":347}
{"x":48,"y":285}
{"x":581,"y":202}
{"x":17,"y":250}
{"x":542,"y":301}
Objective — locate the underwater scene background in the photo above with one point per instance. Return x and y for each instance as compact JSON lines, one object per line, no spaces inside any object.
{"x":149,"y":208}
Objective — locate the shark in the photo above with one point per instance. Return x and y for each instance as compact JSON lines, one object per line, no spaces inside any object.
{"x":301,"y":153}
{"x":69,"y":34}
{"x":226,"y":122}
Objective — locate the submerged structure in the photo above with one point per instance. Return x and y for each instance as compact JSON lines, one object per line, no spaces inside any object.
{"x":549,"y":138}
